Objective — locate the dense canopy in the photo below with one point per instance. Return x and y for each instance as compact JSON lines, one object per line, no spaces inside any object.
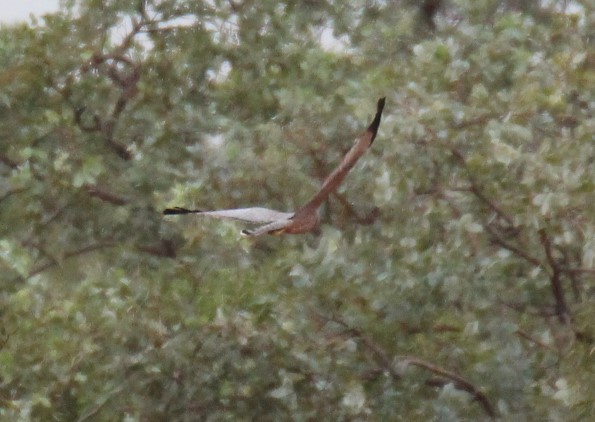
{"x":453,"y":277}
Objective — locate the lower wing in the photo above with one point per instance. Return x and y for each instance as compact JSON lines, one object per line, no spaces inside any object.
{"x":276,"y":227}
{"x":249,"y":215}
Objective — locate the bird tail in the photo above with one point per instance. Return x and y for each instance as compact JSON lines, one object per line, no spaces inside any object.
{"x":179,"y":210}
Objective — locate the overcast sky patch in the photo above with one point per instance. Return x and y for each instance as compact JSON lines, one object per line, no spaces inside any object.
{"x":19,"y":11}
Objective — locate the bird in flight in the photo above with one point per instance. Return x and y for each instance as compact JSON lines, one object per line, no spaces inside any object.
{"x":306,"y":218}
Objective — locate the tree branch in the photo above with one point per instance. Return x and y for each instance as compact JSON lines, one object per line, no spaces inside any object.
{"x":10,"y":193}
{"x":578,"y":270}
{"x":164,"y":249}
{"x":574,"y":277}
{"x":497,"y":239}
{"x":402,"y":362}
{"x":87,"y":249}
{"x":529,"y":337}
{"x":458,"y":381}
{"x":562,"y":310}
{"x":104,"y":195}
{"x":100,"y":403}
{"x":561,"y":307}
{"x":366,"y":219}
{"x":8,"y":162}
{"x":125,"y":80}
{"x":477,"y":191}
{"x":78,"y":119}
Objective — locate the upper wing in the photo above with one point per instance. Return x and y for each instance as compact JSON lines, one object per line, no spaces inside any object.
{"x":336,"y":177}
{"x":249,"y":215}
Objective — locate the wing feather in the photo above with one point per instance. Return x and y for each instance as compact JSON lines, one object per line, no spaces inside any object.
{"x":249,"y":215}
{"x":357,"y":150}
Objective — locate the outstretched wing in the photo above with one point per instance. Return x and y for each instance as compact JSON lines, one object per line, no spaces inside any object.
{"x":249,"y":215}
{"x":336,"y":177}
{"x":305,"y":218}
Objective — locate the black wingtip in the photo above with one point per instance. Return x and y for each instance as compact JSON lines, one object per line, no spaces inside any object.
{"x":380,"y":105}
{"x":179,"y":210}
{"x":376,"y":122}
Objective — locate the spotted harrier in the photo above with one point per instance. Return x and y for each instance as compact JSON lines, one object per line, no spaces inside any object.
{"x":306,"y":218}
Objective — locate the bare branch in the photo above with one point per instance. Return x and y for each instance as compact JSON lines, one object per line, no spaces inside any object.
{"x":574,"y":277}
{"x":458,"y":381}
{"x":8,"y":161}
{"x":104,"y":195}
{"x":78,"y":119}
{"x":119,"y":149}
{"x":561,"y":306}
{"x":532,"y":339}
{"x":100,"y":403}
{"x":383,"y":359}
{"x":380,"y":356}
{"x":496,"y":238}
{"x":477,"y":191}
{"x":365,"y":219}
{"x":125,"y":79}
{"x":87,"y":249}
{"x":429,"y":8}
{"x":556,"y":269}
{"x":578,"y":270}
{"x":10,"y":193}
{"x":165,"y":249}
{"x":233,"y":6}
{"x":491,"y":204}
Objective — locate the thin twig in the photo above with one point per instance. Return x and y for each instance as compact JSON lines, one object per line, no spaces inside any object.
{"x":8,"y":161}
{"x":165,"y":249}
{"x":578,"y":270}
{"x":366,"y":219}
{"x":496,"y":238}
{"x":532,"y":339}
{"x":383,"y":359}
{"x":11,"y":192}
{"x":575,"y":281}
{"x":72,"y":254}
{"x":104,"y":195}
{"x":458,"y":381}
{"x":556,"y":282}
{"x":491,"y":204}
{"x":477,"y":191}
{"x":101,"y":403}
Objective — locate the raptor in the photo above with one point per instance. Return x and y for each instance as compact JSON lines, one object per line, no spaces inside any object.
{"x":306,"y":218}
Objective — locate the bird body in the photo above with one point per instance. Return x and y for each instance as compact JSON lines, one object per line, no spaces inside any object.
{"x":306,"y":218}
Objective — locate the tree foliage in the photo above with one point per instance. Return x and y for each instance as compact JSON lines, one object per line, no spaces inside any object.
{"x":453,"y":278}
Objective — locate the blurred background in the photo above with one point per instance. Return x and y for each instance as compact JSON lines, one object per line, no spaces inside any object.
{"x":454,"y":274}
